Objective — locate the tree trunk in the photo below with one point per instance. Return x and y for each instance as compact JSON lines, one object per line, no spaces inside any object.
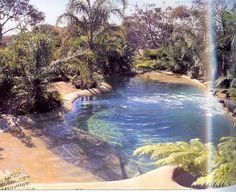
{"x":1,"y":36}
{"x":223,"y":66}
{"x":91,"y":41}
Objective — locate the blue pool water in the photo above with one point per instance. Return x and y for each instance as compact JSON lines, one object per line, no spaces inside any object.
{"x":138,"y":112}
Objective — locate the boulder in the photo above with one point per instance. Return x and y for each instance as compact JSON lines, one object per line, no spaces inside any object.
{"x":233,"y":83}
{"x":96,"y":164}
{"x":231,"y":105}
{"x":3,"y":125}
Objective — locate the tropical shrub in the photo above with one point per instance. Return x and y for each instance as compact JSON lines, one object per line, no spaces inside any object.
{"x":29,"y":66}
{"x":226,"y":29}
{"x":113,"y":55}
{"x":153,"y":59}
{"x":105,"y":40}
{"x":215,"y":167}
{"x":6,"y":78}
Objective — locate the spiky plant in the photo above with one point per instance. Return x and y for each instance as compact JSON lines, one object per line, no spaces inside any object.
{"x":194,"y":156}
{"x":13,"y":180}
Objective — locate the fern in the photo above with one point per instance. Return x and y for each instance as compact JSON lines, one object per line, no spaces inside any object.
{"x":224,"y":175}
{"x":194,"y":157}
{"x":13,"y":180}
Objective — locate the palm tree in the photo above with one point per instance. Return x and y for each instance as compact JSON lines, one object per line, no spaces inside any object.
{"x":92,"y":16}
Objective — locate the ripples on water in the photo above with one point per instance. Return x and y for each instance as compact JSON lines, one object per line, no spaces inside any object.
{"x":139,"y":112}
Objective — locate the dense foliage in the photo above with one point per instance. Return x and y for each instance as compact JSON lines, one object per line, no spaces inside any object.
{"x":30,"y":61}
{"x":172,"y":38}
{"x":177,"y":38}
{"x":25,"y":75}
{"x":20,"y":13}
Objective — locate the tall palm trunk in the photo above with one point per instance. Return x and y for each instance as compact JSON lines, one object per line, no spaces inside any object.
{"x":90,"y":82}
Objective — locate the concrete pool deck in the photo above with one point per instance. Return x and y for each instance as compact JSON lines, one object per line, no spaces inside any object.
{"x":22,"y":148}
{"x":162,"y":178}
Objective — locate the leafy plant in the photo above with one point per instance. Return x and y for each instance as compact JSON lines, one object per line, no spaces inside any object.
{"x":153,"y":59}
{"x":224,"y":165}
{"x":194,"y":158}
{"x":13,"y":180}
{"x":27,"y":76}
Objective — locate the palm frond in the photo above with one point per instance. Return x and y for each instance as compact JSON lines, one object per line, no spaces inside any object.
{"x":79,"y":6}
{"x":124,"y":3}
{"x":71,"y":19}
{"x":145,"y":150}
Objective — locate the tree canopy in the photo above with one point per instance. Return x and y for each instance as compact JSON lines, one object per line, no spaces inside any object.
{"x":18,"y":15}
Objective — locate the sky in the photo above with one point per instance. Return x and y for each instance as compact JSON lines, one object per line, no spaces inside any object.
{"x":54,"y":8}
